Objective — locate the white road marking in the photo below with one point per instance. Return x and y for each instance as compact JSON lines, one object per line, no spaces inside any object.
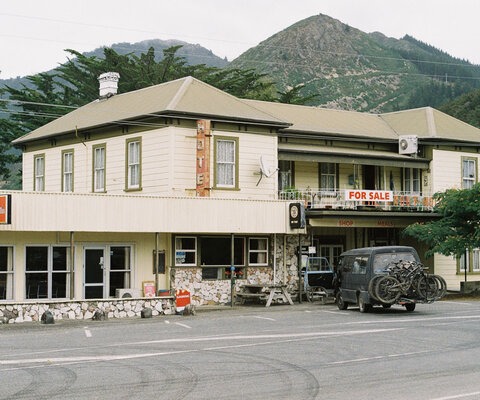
{"x":379,"y":357}
{"x":167,"y":321}
{"x":266,"y":318}
{"x":458,"y":396}
{"x":183,"y":325}
{"x":274,"y":339}
{"x":87,"y":332}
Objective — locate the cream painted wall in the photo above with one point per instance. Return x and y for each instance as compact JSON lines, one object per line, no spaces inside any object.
{"x":142,"y":259}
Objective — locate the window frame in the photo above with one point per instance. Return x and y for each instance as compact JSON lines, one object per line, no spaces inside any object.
{"x":95,"y":169}
{"x":129,"y":165}
{"x":409,"y":180}
{"x":65,"y":173}
{"x":471,"y":180}
{"x":335,"y":176}
{"x":235,"y":163}
{"x":194,"y":251}
{"x":9,"y":273}
{"x":251,"y":251}
{"x":38,"y":178}
{"x":49,"y":271}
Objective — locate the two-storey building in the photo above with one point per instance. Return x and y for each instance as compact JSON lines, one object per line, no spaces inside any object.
{"x":176,"y":183}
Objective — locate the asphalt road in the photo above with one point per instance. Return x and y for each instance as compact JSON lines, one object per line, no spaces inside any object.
{"x":307,"y":351}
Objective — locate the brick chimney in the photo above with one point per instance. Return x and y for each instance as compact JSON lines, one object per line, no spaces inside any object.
{"x":108,"y":84}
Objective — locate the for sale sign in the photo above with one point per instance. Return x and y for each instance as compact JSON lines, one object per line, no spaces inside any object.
{"x":368,"y":195}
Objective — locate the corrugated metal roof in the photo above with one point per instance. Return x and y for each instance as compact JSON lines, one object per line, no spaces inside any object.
{"x":322,"y":120}
{"x":429,"y":123}
{"x":186,"y":96}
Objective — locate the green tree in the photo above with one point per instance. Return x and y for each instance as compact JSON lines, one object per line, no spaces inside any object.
{"x":458,"y":226}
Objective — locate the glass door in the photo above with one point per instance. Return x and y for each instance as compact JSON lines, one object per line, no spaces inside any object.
{"x":94,"y":278}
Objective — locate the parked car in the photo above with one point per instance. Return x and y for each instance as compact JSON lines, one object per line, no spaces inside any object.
{"x":357,"y":271}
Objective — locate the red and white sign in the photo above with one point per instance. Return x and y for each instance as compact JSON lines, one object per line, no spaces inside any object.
{"x":368,"y":195}
{"x":3,"y":209}
{"x":182,"y":299}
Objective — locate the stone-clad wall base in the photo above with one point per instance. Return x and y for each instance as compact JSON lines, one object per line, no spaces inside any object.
{"x":81,"y":310}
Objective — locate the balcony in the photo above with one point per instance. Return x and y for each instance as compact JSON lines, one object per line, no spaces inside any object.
{"x":360,"y":200}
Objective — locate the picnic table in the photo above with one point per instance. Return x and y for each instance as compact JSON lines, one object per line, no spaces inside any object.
{"x":267,"y":293}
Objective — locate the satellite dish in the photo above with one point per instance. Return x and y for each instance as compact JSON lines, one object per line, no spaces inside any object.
{"x":265,"y":169}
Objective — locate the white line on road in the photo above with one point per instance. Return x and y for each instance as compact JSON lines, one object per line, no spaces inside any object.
{"x":268,"y":319}
{"x":87,"y":332}
{"x":458,"y":396}
{"x":183,"y":325}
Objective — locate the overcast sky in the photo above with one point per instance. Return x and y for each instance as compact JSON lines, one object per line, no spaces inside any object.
{"x":34,"y":33}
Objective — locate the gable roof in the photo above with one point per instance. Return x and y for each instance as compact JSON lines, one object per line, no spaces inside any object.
{"x":182,"y":97}
{"x":429,"y":123}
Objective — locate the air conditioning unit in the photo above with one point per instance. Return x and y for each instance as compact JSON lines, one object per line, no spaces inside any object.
{"x":407,"y":144}
{"x":127,"y":293}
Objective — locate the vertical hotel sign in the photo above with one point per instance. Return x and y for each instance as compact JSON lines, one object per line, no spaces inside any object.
{"x":203,"y":158}
{"x":5,"y":209}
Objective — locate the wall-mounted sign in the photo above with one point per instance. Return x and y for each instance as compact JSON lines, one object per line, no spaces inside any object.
{"x":296,"y":214}
{"x":203,"y":158}
{"x":368,"y":195}
{"x":5,"y":201}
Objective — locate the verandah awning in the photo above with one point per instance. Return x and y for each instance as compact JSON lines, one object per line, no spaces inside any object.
{"x":307,"y":153}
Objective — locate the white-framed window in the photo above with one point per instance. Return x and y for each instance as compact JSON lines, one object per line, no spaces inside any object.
{"x":328,"y":177}
{"x":411,"y":180}
{"x":67,"y":171}
{"x":285,"y":174}
{"x":226,"y":162}
{"x":258,"y":251}
{"x":465,"y":261}
{"x":99,"y":161}
{"x":119,"y":267}
{"x":185,"y":251}
{"x":469,"y":172}
{"x":39,"y":173}
{"x":6,"y":272}
{"x":476,"y":260}
{"x":47,"y":271}
{"x":133,"y":164}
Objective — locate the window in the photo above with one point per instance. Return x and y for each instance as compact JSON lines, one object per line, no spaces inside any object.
{"x":39,"y":173}
{"x":67,"y":171}
{"x":465,"y":261}
{"x":216,"y":256}
{"x":469,"y":172}
{"x":185,"y":251}
{"x":476,"y":260}
{"x":285,"y":175}
{"x":226,"y":162}
{"x":411,"y":180}
{"x":258,"y":251}
{"x":6,"y":273}
{"x":328,"y":177}
{"x":133,"y":167}
{"x":120,"y":267}
{"x":99,"y":160}
{"x":47,"y":272}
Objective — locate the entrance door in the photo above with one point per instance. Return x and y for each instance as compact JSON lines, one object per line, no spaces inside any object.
{"x":94,"y":273}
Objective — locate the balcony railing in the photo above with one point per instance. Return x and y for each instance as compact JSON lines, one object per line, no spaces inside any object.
{"x":358,"y":199}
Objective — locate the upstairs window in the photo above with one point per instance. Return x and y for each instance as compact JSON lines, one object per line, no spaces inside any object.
{"x":67,"y":171}
{"x":133,"y":169}
{"x":285,"y":175}
{"x":469,"y":172}
{"x":411,"y":180}
{"x":226,"y":163}
{"x":39,"y":173}
{"x":99,"y":160}
{"x":328,"y":177}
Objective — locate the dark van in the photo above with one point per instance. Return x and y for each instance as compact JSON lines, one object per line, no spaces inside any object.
{"x":356,"y":268}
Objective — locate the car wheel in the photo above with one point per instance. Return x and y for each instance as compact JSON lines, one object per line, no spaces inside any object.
{"x":342,"y":305}
{"x":364,"y":307}
{"x":410,"y":307}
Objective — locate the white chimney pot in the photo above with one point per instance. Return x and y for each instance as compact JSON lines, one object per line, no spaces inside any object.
{"x":108,"y":84}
